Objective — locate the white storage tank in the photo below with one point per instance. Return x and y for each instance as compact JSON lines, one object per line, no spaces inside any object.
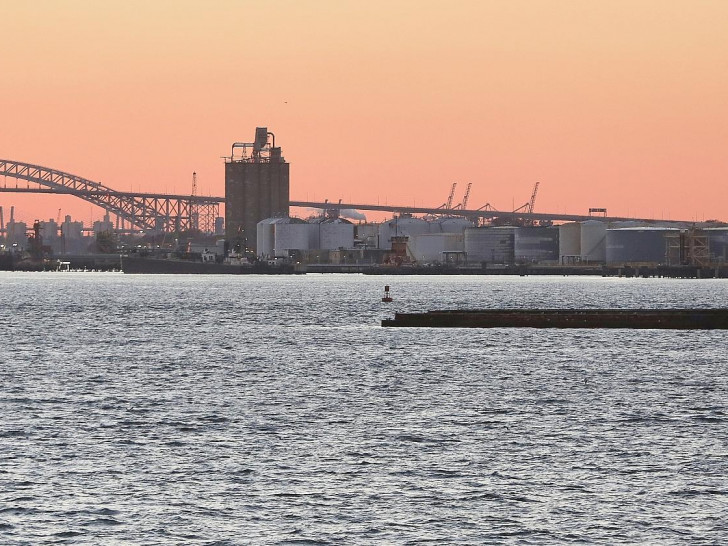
{"x":401,"y":226}
{"x":428,"y":248}
{"x":490,"y":244}
{"x":718,"y":243}
{"x":290,"y":234}
{"x":334,"y":233}
{"x":454,"y":224}
{"x":636,"y":245}
{"x":367,"y":234}
{"x":570,"y":242}
{"x":536,"y":244}
{"x":593,"y":241}
{"x":265,"y":237}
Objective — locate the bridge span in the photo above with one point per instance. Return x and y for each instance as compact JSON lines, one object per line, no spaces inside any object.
{"x":172,"y":212}
{"x":144,"y":211}
{"x":480,"y":213}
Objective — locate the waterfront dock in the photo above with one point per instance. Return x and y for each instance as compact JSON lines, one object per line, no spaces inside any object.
{"x":673,"y":319}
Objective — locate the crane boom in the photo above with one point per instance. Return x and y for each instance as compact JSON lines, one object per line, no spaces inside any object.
{"x":464,"y":204}
{"x":448,"y":206}
{"x":532,"y":202}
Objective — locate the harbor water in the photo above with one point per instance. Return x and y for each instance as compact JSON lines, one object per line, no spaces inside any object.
{"x":225,"y":410}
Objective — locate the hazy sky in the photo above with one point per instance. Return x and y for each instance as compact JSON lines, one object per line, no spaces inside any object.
{"x":616,"y":104}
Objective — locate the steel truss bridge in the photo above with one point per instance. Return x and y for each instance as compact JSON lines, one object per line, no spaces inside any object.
{"x":143,"y":211}
{"x":170,"y":213}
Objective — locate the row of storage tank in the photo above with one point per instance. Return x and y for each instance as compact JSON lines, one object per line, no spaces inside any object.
{"x":433,"y":241}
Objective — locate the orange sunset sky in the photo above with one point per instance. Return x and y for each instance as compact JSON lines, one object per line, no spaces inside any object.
{"x":616,"y":104}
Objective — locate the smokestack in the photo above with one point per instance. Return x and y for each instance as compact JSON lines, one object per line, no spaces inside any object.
{"x":12,"y":214}
{"x":2,"y":220}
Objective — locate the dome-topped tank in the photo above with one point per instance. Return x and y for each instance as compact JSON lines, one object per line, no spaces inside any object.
{"x":453,"y":224}
{"x":367,"y":234}
{"x":333,"y":233}
{"x":400,"y":226}
{"x":275,"y":237}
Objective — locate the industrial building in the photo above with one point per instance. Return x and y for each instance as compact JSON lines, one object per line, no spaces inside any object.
{"x":407,"y":239}
{"x":258,"y":224}
{"x":256,"y":187}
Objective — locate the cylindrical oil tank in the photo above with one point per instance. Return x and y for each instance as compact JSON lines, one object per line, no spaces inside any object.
{"x":335,"y":233}
{"x":718,"y":243}
{"x":401,"y":226}
{"x":453,"y":224}
{"x":367,"y":234}
{"x":490,"y":244}
{"x":636,"y":245}
{"x":593,"y":241}
{"x":428,"y":248}
{"x":265,"y":237}
{"x":570,"y":242}
{"x":290,"y":234}
{"x":536,"y":244}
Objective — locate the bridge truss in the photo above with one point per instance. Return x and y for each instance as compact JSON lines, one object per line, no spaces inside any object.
{"x":143,"y":211}
{"x":171,"y":213}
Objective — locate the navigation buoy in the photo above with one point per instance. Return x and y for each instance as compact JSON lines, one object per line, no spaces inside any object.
{"x":387,"y":298}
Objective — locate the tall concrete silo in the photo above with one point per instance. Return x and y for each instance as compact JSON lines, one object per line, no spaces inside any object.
{"x":256,"y":187}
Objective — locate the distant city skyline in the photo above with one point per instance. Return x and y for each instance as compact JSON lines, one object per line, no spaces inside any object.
{"x":615,"y":104}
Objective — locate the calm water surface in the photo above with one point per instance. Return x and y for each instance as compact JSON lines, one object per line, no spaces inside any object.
{"x":275,"y":410}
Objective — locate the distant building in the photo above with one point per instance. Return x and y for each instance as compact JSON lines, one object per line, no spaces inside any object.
{"x":72,"y":238}
{"x":16,"y":233}
{"x":49,"y":230}
{"x":103,"y":225}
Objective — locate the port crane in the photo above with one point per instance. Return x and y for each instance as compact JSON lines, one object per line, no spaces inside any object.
{"x":528,"y":207}
{"x":532,"y":202}
{"x":464,"y":204}
{"x":448,"y":205}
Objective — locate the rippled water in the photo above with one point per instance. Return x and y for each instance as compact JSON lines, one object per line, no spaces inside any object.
{"x":276,"y":410}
